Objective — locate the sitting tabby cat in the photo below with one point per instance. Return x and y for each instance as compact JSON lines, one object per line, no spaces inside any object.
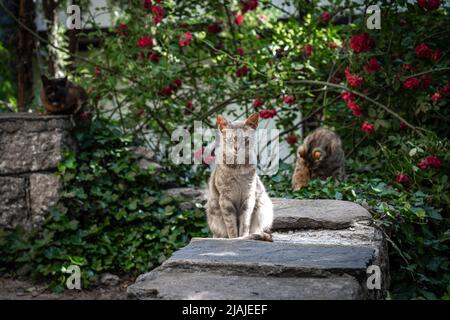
{"x":60,"y":96}
{"x":238,"y":205}
{"x":320,"y":156}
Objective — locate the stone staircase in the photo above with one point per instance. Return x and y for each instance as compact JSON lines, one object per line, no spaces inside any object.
{"x":321,"y":250}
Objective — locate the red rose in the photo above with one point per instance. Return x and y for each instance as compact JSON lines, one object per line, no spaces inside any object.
{"x":361,"y":43}
{"x":239,"y":19}
{"x":325,"y":17}
{"x":411,"y":83}
{"x":352,"y":79}
{"x":289,"y":99}
{"x":291,"y":139}
{"x":430,"y":162}
{"x":435,"y":97}
{"x":402,"y":178}
{"x":258,"y":103}
{"x":185,"y":39}
{"x":145,"y":42}
{"x":215,"y":28}
{"x":403,"y":125}
{"x":158,"y":14}
{"x":147,"y":4}
{"x":248,"y":5}
{"x":267,"y":114}
{"x":356,"y":110}
{"x":122,"y":30}
{"x":178,"y":83}
{"x":167,"y":91}
{"x":373,"y":65}
{"x":242,"y":71}
{"x":347,"y":96}
{"x":429,"y":5}
{"x":307,"y":50}
{"x":423,"y":51}
{"x":240,"y":51}
{"x":436,"y":55}
{"x":367,"y":127}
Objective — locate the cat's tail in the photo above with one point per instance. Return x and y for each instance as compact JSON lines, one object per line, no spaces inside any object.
{"x":264,"y":236}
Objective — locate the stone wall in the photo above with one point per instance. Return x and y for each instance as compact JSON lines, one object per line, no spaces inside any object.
{"x":31,"y":146}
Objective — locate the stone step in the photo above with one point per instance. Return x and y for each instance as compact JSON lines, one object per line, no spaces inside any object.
{"x":321,"y":250}
{"x":282,"y":259}
{"x":183,"y":285}
{"x":292,"y":214}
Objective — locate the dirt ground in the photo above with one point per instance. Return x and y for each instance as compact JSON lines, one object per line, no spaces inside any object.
{"x":25,"y":289}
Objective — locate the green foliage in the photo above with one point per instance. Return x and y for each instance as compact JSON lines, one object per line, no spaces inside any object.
{"x":7,"y":91}
{"x":112,"y":217}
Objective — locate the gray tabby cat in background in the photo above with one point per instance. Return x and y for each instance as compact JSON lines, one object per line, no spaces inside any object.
{"x":238,"y":205}
{"x":320,"y":156}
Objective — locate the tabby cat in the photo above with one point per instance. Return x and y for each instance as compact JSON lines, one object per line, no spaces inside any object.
{"x":238,"y":205}
{"x":320,"y":156}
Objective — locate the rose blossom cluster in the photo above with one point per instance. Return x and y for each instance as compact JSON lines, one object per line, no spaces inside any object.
{"x":402,"y":178}
{"x":361,"y":43}
{"x":424,"y":51}
{"x":258,"y":103}
{"x":352,"y":79}
{"x":429,"y":5}
{"x":246,"y":6}
{"x":172,"y":88}
{"x":440,"y":93}
{"x":156,"y":10}
{"x":367,"y":127}
{"x":430,"y":162}
{"x":268,"y":114}
{"x":350,"y":99}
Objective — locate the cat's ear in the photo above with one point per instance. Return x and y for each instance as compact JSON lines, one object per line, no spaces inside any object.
{"x":301,"y":151}
{"x":252,"y":121}
{"x":45,"y":80}
{"x":318,"y":154}
{"x":222,"y":123}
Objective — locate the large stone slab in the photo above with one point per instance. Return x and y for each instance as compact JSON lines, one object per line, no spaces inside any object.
{"x":267,"y":258}
{"x":176,"y":284}
{"x":291,"y":214}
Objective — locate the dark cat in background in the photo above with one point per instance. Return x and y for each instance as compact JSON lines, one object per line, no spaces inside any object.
{"x":61,"y":96}
{"x":320,"y":156}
